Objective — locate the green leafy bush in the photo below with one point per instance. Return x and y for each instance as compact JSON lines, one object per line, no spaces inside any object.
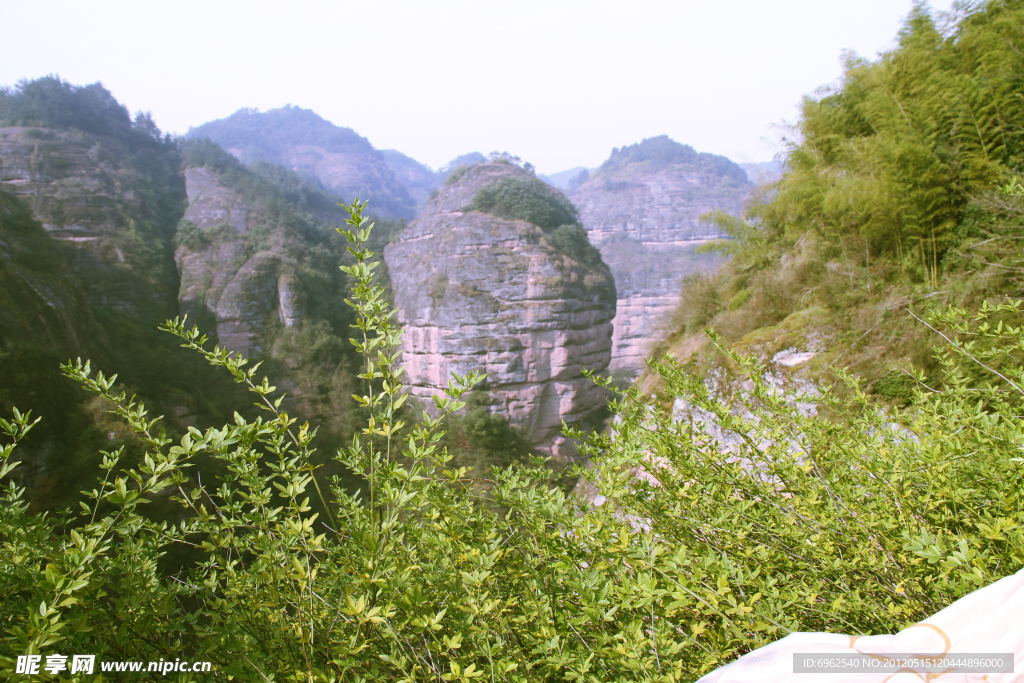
{"x":721,"y":529}
{"x":456,"y":174}
{"x":573,"y":241}
{"x":407,"y":579}
{"x":759,"y":520}
{"x":526,"y":199}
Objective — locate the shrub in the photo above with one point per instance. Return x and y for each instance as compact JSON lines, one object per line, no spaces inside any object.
{"x":526,"y":199}
{"x":573,"y":241}
{"x":728,"y":521}
{"x":408,"y":578}
{"x":754,"y":520}
{"x":456,"y":175}
{"x":700,"y":301}
{"x":738,"y":299}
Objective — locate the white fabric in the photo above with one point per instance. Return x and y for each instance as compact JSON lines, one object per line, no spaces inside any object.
{"x":989,"y":620}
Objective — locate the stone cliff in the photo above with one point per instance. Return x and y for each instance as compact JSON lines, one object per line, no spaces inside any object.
{"x":641,"y":208}
{"x":225,"y":274}
{"x":503,"y":296}
{"x":112,"y":202}
{"x":344,"y":162}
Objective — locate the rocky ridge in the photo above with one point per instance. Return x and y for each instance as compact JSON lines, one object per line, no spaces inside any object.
{"x":479,"y":292}
{"x":641,"y":209}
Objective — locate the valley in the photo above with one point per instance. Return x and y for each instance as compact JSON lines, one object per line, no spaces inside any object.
{"x":232,"y":226}
{"x":634,"y":420}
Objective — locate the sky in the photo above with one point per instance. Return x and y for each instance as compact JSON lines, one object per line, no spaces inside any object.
{"x":558,"y":83}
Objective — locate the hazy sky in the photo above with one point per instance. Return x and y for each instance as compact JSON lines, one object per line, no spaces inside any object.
{"x":556,"y":82}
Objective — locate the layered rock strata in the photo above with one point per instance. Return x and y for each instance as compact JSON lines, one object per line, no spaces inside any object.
{"x":113,"y":206}
{"x":227,"y":274}
{"x":478,"y":292}
{"x":642,"y":210}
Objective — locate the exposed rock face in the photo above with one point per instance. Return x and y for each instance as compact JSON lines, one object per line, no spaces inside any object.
{"x":114,"y":207}
{"x":641,"y":208}
{"x":477,"y":292}
{"x":340,"y":159}
{"x":43,"y":305}
{"x":223,"y":275}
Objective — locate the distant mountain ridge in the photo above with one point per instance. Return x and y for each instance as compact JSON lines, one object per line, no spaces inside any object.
{"x":563,"y":179}
{"x":340,"y":159}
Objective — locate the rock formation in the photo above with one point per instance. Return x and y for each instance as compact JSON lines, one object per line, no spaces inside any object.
{"x":343,"y":161}
{"x":641,"y":208}
{"x":478,"y":292}
{"x":225,"y":274}
{"x":112,"y":202}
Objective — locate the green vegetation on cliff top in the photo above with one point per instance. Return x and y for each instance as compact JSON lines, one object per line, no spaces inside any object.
{"x":525,"y":198}
{"x":663,"y":150}
{"x":50,"y":102}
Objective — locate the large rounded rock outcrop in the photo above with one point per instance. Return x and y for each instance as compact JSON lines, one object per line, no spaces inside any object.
{"x":528,"y":305}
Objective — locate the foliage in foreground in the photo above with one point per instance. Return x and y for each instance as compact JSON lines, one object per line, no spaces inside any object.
{"x":846,"y":525}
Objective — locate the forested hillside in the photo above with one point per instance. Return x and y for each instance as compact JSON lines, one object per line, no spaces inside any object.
{"x":889,"y":202}
{"x":94,"y":214}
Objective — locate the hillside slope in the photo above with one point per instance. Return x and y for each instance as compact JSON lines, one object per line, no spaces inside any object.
{"x":888,"y":209}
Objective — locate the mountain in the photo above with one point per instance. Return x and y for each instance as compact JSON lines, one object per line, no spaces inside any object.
{"x":418,"y":179}
{"x":495,"y":277}
{"x":343,"y":162}
{"x":563,"y":179}
{"x":642,"y":210}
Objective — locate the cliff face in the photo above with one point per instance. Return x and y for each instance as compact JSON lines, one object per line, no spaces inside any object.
{"x":641,"y":209}
{"x":114,"y":206}
{"x":478,"y":292}
{"x":344,"y":162}
{"x":42,"y":303}
{"x":229,"y":271}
